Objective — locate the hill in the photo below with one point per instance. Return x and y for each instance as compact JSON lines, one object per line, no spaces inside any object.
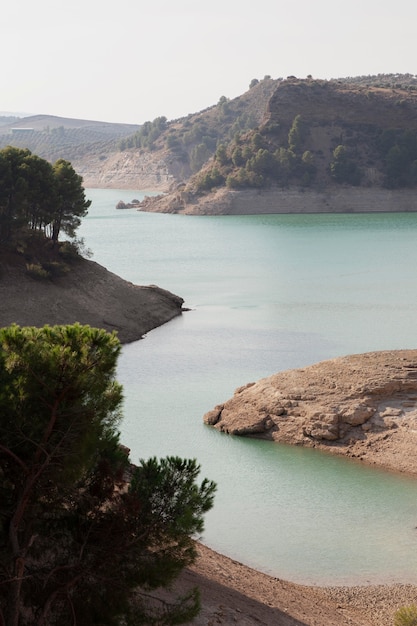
{"x":316,"y":136}
{"x":52,"y":137}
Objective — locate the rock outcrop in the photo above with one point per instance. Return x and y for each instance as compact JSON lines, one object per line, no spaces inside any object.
{"x":364,"y":406}
{"x":88,"y":294}
{"x":335,"y":199}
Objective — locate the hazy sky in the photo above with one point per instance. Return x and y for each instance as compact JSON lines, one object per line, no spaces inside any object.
{"x":134,"y":60}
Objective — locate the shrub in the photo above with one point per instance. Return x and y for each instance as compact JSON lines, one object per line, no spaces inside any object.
{"x":36,"y":271}
{"x":406,"y":616}
{"x":55,"y":268}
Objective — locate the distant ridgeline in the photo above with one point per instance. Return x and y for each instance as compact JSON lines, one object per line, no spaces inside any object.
{"x":54,"y":137}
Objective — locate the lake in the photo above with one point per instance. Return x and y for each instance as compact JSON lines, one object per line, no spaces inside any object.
{"x":268,"y":293}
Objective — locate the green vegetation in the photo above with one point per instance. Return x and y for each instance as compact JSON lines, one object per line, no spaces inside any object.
{"x":343,"y":167}
{"x":38,"y":202}
{"x":406,"y":616}
{"x":38,"y":196}
{"x":255,"y":160}
{"x":146,"y":136}
{"x":85,"y":537}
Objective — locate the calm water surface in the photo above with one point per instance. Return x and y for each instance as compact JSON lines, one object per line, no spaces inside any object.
{"x":268,"y":293}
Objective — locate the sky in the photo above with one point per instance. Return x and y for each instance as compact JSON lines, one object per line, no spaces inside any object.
{"x":130,"y":61}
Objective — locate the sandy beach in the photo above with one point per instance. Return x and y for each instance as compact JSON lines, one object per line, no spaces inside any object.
{"x":232,"y":593}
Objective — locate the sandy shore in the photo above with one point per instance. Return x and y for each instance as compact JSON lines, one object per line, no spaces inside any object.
{"x":232,"y":593}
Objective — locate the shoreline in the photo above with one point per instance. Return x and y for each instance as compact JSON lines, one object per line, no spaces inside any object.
{"x":232,"y":592}
{"x":332,"y":200}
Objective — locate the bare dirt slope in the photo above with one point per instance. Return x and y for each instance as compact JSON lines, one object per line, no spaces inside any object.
{"x":88,"y":294}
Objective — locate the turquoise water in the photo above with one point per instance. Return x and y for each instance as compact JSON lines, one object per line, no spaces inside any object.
{"x":268,"y":293}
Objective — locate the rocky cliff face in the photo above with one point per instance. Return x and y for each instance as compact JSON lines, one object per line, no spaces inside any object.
{"x":364,"y":406}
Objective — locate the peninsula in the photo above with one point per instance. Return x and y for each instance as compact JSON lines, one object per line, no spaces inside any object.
{"x":362,"y":406}
{"x":88,"y":294}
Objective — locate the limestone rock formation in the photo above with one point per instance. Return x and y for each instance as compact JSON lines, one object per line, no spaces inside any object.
{"x":361,"y":405}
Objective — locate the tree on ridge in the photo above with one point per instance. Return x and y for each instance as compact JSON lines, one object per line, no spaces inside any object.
{"x":38,"y":196}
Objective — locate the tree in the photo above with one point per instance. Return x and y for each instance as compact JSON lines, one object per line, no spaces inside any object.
{"x":286,"y":163}
{"x":257,"y":141}
{"x":41,"y":197}
{"x":13,"y":190}
{"x":71,"y":203}
{"x":262,"y":162}
{"x":34,"y":195}
{"x":84,"y":536}
{"x":237,"y":157}
{"x":199,"y":155}
{"x":343,"y":168}
{"x":221,"y":155}
{"x":297,"y":134}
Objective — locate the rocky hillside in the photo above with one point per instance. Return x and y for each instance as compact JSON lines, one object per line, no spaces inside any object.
{"x":286,"y":133}
{"x":316,"y":136}
{"x":373,"y":125}
{"x":363,"y":406}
